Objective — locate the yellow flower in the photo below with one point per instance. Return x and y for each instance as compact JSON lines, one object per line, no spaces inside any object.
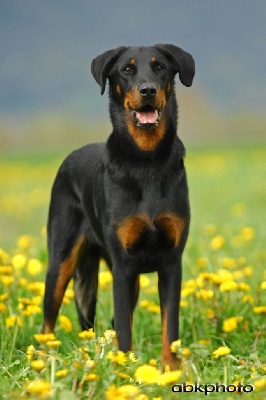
{"x":38,"y":365}
{"x":228,"y":262}
{"x":89,"y":334}
{"x":169,"y":377}
{"x":205,"y":294}
{"x":39,"y":388}
{"x":247,"y":299}
{"x":19,"y":261}
{"x":260,"y":383}
{"x":24,"y":241}
{"x":144,"y":281}
{"x":186,"y":352}
{"x":221,"y":351}
{"x":204,"y":341}
{"x":61,"y":373}
{"x":34,"y":266}
{"x":132,"y":357}
{"x":92,"y":377}
{"x":175,"y":346}
{"x":3,"y":307}
{"x":260,"y":310}
{"x":37,"y":287}
{"x":263,"y":285}
{"x":53,"y":343}
{"x":6,"y":270}
{"x":13,"y":320}
{"x":7,"y":280}
{"x":228,"y":286}
{"x":217,"y":242}
{"x":202,"y":262}
{"x":3,"y":297}
{"x":244,"y":287}
{"x":110,"y":335}
{"x":154,"y":308}
{"x":147,"y":374}
{"x":230,"y":324}
{"x":153,"y":362}
{"x":30,"y":352}
{"x":247,"y":233}
{"x":44,"y":337}
{"x":4,"y":257}
{"x":65,"y":323}
{"x":248,"y":271}
{"x":105,"y":279}
{"x":32,"y":310}
{"x":118,"y":357}
{"x":124,"y":392}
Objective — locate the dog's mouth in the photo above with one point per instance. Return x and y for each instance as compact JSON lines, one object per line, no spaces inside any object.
{"x":146,"y":116}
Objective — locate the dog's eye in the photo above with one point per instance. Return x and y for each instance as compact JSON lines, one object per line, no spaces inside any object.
{"x":158,"y":67}
{"x":129,"y":69}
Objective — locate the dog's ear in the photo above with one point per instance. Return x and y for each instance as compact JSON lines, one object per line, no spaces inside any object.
{"x":181,"y":61}
{"x":101,"y":65}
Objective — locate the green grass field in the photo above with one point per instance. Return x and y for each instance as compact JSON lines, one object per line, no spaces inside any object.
{"x":223,"y":307}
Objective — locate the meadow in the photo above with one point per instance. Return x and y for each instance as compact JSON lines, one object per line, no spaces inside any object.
{"x":223,"y":306}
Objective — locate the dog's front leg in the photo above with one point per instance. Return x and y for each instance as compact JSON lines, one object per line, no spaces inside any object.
{"x":169,"y":292}
{"x":125,"y":292}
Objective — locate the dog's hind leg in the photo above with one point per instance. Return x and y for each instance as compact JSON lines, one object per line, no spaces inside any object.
{"x":86,"y":285}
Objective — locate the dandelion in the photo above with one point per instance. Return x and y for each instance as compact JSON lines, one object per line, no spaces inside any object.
{"x":89,"y":334}
{"x":217,"y":242}
{"x":105,"y":278}
{"x":37,"y":365}
{"x":7,"y":280}
{"x":132,"y":357}
{"x":24,"y":242}
{"x":221,"y":351}
{"x":110,"y":335}
{"x":19,"y":261}
{"x":40,"y":388}
{"x":118,"y":357}
{"x":92,"y":377}
{"x":6,"y":270}
{"x":186,"y":352}
{"x":228,"y":286}
{"x":228,"y":262}
{"x":205,"y":294}
{"x":3,"y":297}
{"x":44,"y":337}
{"x":13,"y":320}
{"x":144,"y":281}
{"x":247,"y":233}
{"x":34,"y":266}
{"x":230,"y":324}
{"x":244,"y":287}
{"x":123,"y":392}
{"x":247,"y":299}
{"x":32,"y":310}
{"x":169,"y":377}
{"x":30,"y":352}
{"x":147,"y":374}
{"x":153,"y":362}
{"x":53,"y":343}
{"x":175,"y":346}
{"x":61,"y":373}
{"x":260,"y":383}
{"x":260,"y":310}
{"x":154,"y":308}
{"x":202,"y":262}
{"x":3,"y":307}
{"x":4,"y":257}
{"x":65,"y":323}
{"x":263,"y":285}
{"x":248,"y":271}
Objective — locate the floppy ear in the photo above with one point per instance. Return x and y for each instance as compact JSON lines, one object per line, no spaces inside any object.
{"x":101,"y":65}
{"x":181,"y":61}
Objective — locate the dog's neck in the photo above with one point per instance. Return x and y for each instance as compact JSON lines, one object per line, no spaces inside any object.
{"x":121,"y":142}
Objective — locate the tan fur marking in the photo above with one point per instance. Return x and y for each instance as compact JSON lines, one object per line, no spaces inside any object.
{"x":132,"y":61}
{"x":146,"y":139}
{"x":172,"y":225}
{"x":118,"y":89}
{"x":130,"y":229}
{"x":66,"y":272}
{"x":153,"y":59}
{"x":169,"y":87}
{"x":168,"y":359}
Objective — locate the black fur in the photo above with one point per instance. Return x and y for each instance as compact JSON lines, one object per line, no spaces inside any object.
{"x":127,"y":200}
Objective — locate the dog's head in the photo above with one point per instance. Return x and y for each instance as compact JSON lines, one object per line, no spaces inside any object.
{"x":142,"y":81}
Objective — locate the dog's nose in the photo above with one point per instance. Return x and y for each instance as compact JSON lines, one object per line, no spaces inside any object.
{"x":147,"y":90}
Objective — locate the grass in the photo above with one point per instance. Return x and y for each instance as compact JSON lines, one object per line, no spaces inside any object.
{"x":223,"y":298}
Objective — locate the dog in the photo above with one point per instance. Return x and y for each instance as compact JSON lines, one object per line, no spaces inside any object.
{"x":125,"y":201}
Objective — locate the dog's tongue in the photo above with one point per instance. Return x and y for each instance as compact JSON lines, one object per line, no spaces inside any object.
{"x":148,"y":117}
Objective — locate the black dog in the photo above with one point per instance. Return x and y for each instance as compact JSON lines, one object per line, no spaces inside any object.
{"x":125,"y":201}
